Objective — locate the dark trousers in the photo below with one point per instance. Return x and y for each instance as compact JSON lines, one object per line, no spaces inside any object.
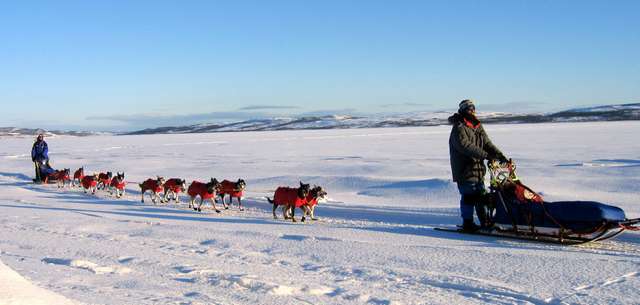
{"x":37,"y":165}
{"x":468,"y":190}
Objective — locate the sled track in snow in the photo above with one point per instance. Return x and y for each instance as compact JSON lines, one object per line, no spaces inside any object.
{"x":599,"y":285}
{"x":366,"y":218}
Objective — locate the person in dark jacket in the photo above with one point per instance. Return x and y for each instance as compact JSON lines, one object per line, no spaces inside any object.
{"x":469,"y":146}
{"x":39,"y":155}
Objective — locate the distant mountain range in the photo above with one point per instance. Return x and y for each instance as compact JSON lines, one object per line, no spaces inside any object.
{"x":623,"y":112}
{"x":17,"y":132}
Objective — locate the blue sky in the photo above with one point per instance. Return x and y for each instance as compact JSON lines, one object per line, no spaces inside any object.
{"x":129,"y":64}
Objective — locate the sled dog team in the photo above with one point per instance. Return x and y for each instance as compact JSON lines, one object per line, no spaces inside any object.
{"x":303,"y":197}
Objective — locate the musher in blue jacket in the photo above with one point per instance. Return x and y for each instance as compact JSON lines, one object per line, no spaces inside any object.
{"x":40,"y":156}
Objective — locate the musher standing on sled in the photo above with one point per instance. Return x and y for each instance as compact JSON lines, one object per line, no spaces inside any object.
{"x":39,"y":155}
{"x":469,"y":146}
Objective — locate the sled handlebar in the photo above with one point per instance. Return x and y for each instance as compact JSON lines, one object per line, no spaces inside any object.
{"x":501,"y":172}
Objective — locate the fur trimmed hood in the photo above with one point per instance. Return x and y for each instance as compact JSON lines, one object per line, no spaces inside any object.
{"x":455,"y":118}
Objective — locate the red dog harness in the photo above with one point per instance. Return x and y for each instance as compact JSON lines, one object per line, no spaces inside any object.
{"x":79,"y":174}
{"x":311,"y":201}
{"x":288,"y":195}
{"x":59,"y":175}
{"x":88,"y":182}
{"x":151,"y":184}
{"x":173,"y":185}
{"x":104,"y":179}
{"x":119,"y":185}
{"x":198,"y":188}
{"x":228,"y":187}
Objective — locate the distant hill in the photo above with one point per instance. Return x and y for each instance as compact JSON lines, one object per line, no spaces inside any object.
{"x":600,"y":113}
{"x":622,"y":112}
{"x":21,"y":132}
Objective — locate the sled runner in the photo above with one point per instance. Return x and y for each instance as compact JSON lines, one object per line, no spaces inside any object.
{"x":515,"y":211}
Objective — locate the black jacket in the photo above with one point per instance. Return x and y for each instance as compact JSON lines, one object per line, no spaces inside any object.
{"x":468,"y":148}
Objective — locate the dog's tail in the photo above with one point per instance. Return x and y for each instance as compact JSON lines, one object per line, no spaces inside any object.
{"x":270,"y":201}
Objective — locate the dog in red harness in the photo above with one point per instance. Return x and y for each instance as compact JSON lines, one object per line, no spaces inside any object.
{"x":117,"y":185}
{"x":153,"y":185}
{"x":205,"y":191}
{"x":89,"y":183}
{"x":234,"y":190}
{"x":104,"y":180}
{"x":60,"y":176}
{"x":316,"y":194}
{"x":77,"y":175}
{"x":174,"y":186}
{"x":289,"y":197}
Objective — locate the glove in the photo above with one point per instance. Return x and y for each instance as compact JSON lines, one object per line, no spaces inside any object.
{"x":497,"y":156}
{"x":502,"y":158}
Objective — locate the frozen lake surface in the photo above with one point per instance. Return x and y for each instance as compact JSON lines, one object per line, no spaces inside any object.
{"x":373,"y":244}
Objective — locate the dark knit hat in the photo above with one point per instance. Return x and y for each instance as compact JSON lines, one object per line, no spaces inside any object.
{"x":465,"y":104}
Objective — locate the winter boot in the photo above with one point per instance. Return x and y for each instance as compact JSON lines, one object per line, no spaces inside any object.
{"x":469,"y":226}
{"x":484,"y":213}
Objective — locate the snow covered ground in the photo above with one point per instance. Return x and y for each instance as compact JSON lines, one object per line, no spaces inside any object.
{"x":373,"y":244}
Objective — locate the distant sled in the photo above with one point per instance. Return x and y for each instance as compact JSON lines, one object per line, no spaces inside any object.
{"x":515,"y":211}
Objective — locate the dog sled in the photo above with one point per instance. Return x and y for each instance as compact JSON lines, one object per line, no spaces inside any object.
{"x":45,"y":173}
{"x":513,"y":210}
